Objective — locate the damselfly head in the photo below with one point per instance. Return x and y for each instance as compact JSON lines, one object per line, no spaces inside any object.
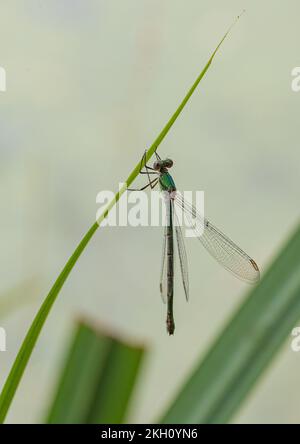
{"x":168,"y":163}
{"x":160,"y":164}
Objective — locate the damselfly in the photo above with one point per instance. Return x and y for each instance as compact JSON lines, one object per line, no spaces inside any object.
{"x":224,"y":250}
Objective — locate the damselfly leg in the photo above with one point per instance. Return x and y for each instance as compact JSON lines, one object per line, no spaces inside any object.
{"x":149,"y":170}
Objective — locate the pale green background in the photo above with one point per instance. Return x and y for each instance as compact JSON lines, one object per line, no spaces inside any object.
{"x":90,"y":84}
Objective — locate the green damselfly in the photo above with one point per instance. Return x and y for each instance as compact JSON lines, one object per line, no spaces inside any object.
{"x":223,"y":249}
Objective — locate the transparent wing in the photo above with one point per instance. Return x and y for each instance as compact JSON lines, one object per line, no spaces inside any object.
{"x":182,"y":256}
{"x":223,"y":249}
{"x":163,"y":272}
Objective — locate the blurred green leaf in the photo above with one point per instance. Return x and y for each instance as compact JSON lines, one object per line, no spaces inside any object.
{"x":97,"y":381}
{"x":246,"y":346}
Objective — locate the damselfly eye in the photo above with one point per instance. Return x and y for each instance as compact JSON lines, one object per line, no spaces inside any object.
{"x":169,"y":163}
{"x":157,"y":165}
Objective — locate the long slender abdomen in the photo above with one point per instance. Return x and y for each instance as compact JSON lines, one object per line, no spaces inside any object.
{"x":170,"y":270}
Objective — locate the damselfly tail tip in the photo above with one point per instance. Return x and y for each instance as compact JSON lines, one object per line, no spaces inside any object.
{"x":170,"y":325}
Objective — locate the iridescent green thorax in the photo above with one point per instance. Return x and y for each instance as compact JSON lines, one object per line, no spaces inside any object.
{"x":166,"y":182}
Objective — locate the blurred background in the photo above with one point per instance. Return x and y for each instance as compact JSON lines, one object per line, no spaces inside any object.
{"x":89,"y":86}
